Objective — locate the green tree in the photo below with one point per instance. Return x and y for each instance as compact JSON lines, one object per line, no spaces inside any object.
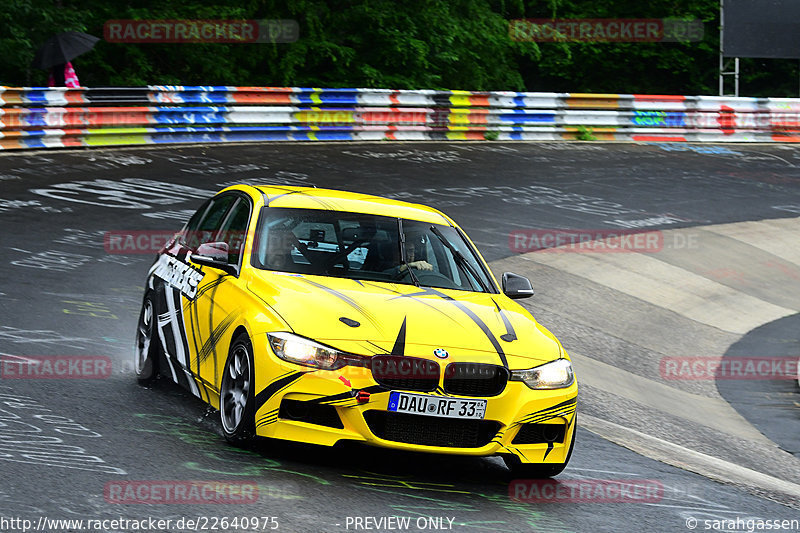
{"x":410,"y":44}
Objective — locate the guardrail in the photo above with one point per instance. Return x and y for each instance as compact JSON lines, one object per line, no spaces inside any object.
{"x":35,"y":117}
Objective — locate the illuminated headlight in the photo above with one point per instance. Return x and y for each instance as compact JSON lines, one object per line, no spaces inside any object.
{"x":305,"y":352}
{"x":553,"y":375}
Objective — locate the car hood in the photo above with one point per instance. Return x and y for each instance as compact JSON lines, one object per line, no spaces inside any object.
{"x":374,"y":317}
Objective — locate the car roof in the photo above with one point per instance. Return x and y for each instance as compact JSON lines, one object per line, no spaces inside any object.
{"x":335,"y":200}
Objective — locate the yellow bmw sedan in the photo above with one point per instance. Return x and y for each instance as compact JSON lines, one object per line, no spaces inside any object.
{"x":323,"y":316}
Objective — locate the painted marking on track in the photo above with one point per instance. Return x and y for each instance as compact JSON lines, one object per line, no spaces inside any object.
{"x":688,"y":459}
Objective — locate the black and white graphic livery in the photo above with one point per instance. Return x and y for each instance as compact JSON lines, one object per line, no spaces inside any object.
{"x":180,"y":275}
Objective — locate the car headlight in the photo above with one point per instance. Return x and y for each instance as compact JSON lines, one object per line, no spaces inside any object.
{"x":556,"y":374}
{"x":305,"y":352}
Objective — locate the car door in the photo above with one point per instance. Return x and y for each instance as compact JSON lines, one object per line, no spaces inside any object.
{"x":179,"y":281}
{"x":215,"y":310}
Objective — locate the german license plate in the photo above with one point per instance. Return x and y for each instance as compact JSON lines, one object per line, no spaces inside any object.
{"x":443,"y":406}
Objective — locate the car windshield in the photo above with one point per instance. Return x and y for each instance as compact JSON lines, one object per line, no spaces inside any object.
{"x":366,"y":247}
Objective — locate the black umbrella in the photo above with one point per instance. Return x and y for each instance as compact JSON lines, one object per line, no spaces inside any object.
{"x":62,"y":48}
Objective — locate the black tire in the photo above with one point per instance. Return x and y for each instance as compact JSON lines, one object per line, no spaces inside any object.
{"x":540,"y":471}
{"x":237,"y":397}
{"x":147,"y":349}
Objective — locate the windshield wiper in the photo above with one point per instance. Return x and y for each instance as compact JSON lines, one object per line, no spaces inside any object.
{"x":459,"y":257}
{"x":403,"y":259}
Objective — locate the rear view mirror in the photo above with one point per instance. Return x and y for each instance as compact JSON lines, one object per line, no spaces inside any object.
{"x":516,"y":286}
{"x":357,"y":234}
{"x":214,"y":254}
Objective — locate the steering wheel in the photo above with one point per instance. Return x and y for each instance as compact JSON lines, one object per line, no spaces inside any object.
{"x":429,"y":277}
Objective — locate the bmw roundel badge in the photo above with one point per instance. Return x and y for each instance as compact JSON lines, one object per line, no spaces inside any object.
{"x":441,"y":353}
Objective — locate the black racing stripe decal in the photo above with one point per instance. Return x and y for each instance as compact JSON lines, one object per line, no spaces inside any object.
{"x":380,"y":351}
{"x":399,"y":347}
{"x":549,"y":416}
{"x":499,"y":436}
{"x":486,"y":331}
{"x":216,"y":335}
{"x":374,"y":389}
{"x":267,"y":199}
{"x":427,"y":291}
{"x":510,"y":334}
{"x":212,"y":285}
{"x":320,"y":201}
{"x":571,"y":403}
{"x":349,"y":301}
{"x":195,"y":386}
{"x":565,"y":403}
{"x":270,"y":200}
{"x":508,"y":449}
{"x":413,"y":295}
{"x":549,"y":449}
{"x":270,"y":390}
{"x":269,"y":414}
{"x":165,"y":326}
{"x":545,"y":418}
{"x":333,"y":398}
{"x":264,"y":196}
{"x":269,"y":418}
{"x":375,"y":285}
{"x":467,"y":311}
{"x":194,"y":319}
{"x":563,"y":409}
{"x":423,"y":302}
{"x":177,"y":305}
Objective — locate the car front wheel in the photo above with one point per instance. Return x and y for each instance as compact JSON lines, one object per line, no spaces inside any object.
{"x":236,"y":393}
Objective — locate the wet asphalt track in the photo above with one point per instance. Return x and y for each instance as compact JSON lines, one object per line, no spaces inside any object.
{"x":61,"y":442}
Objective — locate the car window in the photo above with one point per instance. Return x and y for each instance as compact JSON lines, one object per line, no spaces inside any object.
{"x":366,"y":247}
{"x":194,"y":222}
{"x":207,"y":226}
{"x":233,"y":230}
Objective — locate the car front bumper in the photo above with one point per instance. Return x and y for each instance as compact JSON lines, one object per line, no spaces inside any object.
{"x":324,"y":407}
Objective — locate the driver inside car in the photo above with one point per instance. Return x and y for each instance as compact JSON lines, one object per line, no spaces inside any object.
{"x":416,"y":252}
{"x":279,"y":249}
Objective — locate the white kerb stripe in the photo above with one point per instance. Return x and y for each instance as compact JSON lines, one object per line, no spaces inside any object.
{"x":780,"y":237}
{"x":673,"y":288}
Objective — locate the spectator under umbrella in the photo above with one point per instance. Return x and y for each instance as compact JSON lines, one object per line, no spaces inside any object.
{"x":57,"y":53}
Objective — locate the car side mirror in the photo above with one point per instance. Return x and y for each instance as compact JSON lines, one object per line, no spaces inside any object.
{"x":214,"y":254}
{"x":516,"y":286}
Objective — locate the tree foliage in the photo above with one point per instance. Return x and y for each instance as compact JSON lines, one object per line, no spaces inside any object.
{"x":409,"y":44}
